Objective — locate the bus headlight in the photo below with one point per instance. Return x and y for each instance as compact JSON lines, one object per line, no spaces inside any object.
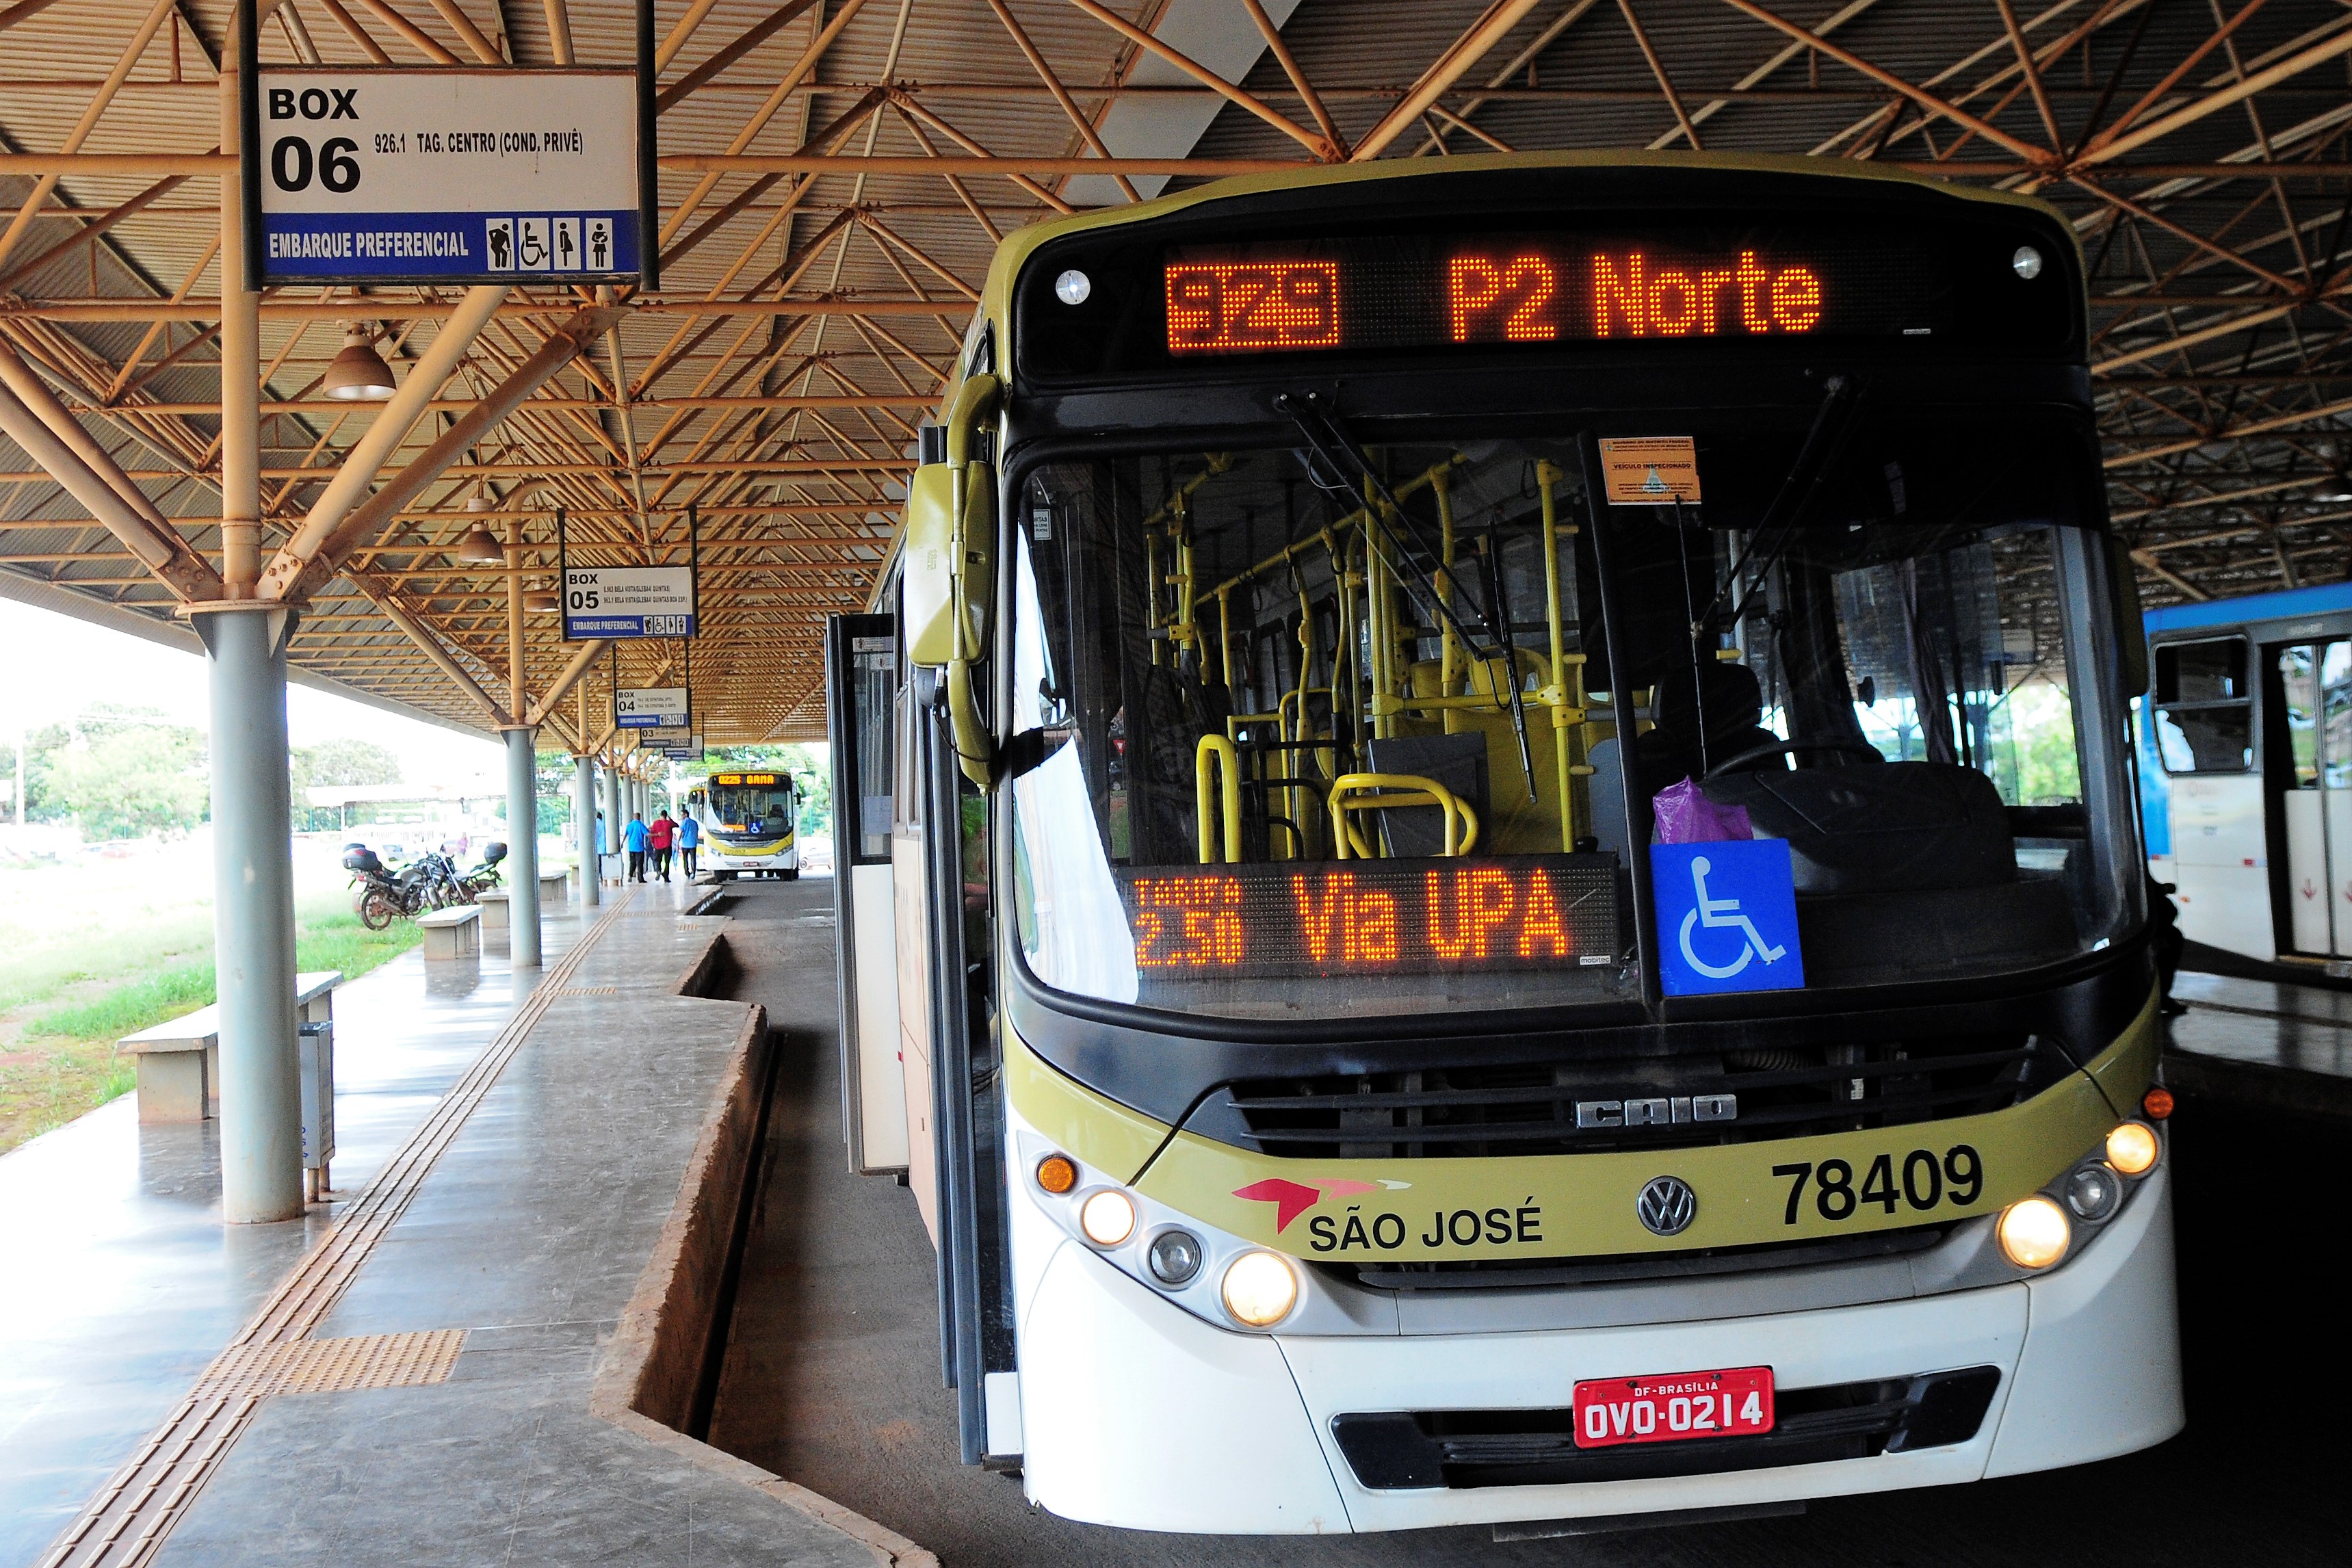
{"x":2092,"y":1191}
{"x":2131,"y":1148}
{"x":1260,"y":1289}
{"x":1175,"y":1257}
{"x":2034,"y":1232}
{"x":1107,"y":1217}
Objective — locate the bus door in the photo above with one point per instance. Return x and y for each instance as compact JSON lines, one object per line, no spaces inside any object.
{"x":2311,"y":771}
{"x":944,"y":894}
{"x":861,"y":678}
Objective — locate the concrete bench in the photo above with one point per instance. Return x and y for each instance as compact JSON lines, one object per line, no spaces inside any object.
{"x":178,"y":1062}
{"x":554,"y":890}
{"x":496,"y":920}
{"x":452,"y":935}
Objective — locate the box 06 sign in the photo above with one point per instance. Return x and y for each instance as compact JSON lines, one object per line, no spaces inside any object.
{"x":360,"y":174}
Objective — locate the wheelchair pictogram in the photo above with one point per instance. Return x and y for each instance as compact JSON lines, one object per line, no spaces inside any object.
{"x":1722,"y":914}
{"x":1726,"y":917}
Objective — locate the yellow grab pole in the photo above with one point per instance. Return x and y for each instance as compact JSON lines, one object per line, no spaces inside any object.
{"x":1548,"y":474}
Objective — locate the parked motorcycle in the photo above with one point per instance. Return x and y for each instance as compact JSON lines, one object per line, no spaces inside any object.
{"x":381,"y":895}
{"x":378,"y":896}
{"x":484,"y":876}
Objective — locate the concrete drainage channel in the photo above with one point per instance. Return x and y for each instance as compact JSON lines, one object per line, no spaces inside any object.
{"x":660,"y":1372}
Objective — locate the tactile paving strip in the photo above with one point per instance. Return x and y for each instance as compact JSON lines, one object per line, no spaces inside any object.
{"x":339,"y":1365}
{"x":126,"y":1522}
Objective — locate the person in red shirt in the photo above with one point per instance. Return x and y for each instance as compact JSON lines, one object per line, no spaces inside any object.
{"x":658,"y":834}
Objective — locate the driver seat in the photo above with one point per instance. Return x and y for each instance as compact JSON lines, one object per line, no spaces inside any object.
{"x":1719,"y":702}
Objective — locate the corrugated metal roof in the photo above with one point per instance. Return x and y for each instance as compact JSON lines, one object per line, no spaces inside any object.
{"x":793,"y":528}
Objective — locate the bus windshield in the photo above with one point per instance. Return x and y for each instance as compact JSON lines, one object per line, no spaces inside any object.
{"x":1320,"y":742}
{"x":758,"y":803}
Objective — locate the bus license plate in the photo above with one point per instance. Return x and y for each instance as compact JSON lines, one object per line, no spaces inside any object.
{"x":1674,"y":1407}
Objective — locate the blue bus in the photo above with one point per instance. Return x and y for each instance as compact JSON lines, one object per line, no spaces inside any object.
{"x":2245,"y":759}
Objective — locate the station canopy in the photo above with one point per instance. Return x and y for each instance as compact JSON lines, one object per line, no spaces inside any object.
{"x":834,"y":174}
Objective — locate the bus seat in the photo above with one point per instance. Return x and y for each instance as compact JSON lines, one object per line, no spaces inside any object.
{"x":1606,"y":790}
{"x":1512,"y":824}
{"x":1457,"y":761}
{"x":1902,"y":828}
{"x":1701,"y":717}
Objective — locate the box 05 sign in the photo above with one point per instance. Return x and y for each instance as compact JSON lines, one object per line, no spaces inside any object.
{"x":375,"y":175}
{"x":628,"y":602}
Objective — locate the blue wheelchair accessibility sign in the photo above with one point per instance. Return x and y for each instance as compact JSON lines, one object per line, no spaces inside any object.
{"x":1726,"y":917}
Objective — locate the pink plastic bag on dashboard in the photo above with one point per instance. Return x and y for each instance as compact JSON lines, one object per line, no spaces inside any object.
{"x":1684,"y":815}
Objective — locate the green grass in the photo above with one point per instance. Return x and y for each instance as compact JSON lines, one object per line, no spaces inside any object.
{"x":324,"y":940}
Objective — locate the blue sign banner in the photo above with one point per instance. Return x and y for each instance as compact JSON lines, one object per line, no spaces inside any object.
{"x":602,"y":626}
{"x":461,"y":246}
{"x":1726,"y":917}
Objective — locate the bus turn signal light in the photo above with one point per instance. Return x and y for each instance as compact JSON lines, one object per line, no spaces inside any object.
{"x":2156,"y":1102}
{"x":2034,"y":1232}
{"x":2131,"y":1148}
{"x":1056,"y":1175}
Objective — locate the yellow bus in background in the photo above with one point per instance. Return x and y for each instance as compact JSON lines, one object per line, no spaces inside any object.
{"x":748,"y":826}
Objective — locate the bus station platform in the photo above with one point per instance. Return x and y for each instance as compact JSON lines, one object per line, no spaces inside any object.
{"x":486,"y":1346}
{"x":2262,"y":1044}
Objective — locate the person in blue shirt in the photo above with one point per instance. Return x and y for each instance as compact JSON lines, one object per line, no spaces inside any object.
{"x":689,"y":837}
{"x":633,"y":835}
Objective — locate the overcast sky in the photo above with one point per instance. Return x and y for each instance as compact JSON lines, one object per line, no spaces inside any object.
{"x":58,"y":665}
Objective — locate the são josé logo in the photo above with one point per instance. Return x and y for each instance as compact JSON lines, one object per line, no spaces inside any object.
{"x":1384,"y":1232}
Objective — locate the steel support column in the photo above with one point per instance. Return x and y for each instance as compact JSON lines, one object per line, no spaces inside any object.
{"x":613,"y":818}
{"x":583,"y":813}
{"x":522,"y":847}
{"x":253,"y":917}
{"x":252,"y":810}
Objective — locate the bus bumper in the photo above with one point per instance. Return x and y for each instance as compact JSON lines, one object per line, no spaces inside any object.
{"x":1136,"y":1414}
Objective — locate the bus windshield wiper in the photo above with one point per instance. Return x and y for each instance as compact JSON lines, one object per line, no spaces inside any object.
{"x":1329,"y":444}
{"x":1832,"y":423}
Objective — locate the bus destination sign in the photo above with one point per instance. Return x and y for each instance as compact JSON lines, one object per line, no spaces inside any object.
{"x":1531,"y":288}
{"x":1371,"y":917}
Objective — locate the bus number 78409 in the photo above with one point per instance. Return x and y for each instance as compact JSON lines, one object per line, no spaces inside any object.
{"x":1926,"y":1181}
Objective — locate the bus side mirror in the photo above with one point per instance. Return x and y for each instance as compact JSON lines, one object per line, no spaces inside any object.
{"x":950,"y":573}
{"x":2131,"y":621}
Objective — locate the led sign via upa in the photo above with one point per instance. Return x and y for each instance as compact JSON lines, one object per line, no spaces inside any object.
{"x":1368,"y":918}
{"x":1518,"y":299}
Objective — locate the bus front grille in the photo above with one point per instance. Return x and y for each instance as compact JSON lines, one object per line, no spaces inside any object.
{"x":1403,"y":1451}
{"x":1784,"y":1091}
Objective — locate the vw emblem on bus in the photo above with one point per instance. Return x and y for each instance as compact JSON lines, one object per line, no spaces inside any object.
{"x":1667,"y":1206}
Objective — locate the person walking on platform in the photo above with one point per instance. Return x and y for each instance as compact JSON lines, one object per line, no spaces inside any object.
{"x":635,"y":837}
{"x":689,"y":838}
{"x":658,"y":835}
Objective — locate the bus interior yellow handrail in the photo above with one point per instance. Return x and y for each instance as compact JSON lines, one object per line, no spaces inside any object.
{"x":1213,"y":750}
{"x":1361,"y":792}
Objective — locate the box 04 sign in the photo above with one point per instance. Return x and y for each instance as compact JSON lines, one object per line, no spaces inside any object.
{"x":653,"y":708}
{"x":628,"y":602}
{"x":369,"y":174}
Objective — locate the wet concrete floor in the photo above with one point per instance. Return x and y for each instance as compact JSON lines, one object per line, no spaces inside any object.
{"x":832,"y":1370}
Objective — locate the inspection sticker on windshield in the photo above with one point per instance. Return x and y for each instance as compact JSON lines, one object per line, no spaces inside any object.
{"x":1650,"y":470}
{"x":1734,"y":1403}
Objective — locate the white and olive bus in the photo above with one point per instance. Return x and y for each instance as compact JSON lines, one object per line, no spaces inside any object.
{"x":749,"y":825}
{"x":1495,"y":875}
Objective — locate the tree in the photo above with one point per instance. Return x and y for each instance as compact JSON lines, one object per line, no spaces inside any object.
{"x":132,"y":782}
{"x":338,"y":762}
{"x":346,"y":761}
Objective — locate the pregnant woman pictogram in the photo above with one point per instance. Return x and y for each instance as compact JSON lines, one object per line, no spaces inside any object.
{"x":1721,"y":914}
